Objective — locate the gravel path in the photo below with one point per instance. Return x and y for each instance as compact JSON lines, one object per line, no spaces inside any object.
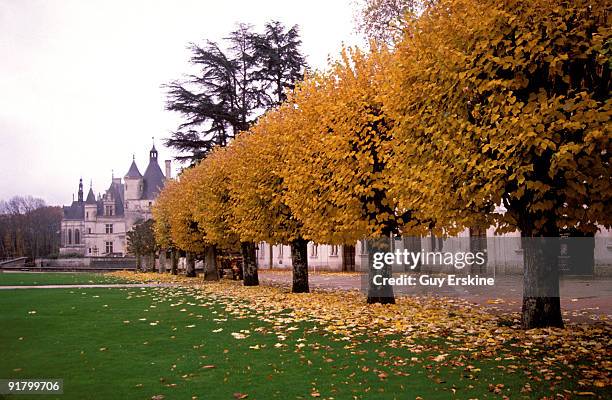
{"x":581,"y":298}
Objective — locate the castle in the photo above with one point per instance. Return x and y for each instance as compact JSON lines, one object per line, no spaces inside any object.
{"x":94,"y":227}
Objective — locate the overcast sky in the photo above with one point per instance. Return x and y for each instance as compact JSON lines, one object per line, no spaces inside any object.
{"x":80,"y":80}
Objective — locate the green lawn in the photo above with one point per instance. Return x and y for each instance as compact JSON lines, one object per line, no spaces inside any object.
{"x":139,"y":343}
{"x":55,"y":278}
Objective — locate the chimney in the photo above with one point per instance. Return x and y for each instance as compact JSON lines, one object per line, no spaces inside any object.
{"x":168,"y":170}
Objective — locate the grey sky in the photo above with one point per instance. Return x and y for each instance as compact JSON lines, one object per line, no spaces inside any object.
{"x":80,"y":80}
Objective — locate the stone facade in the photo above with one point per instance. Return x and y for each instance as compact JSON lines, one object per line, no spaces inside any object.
{"x":504,"y":253}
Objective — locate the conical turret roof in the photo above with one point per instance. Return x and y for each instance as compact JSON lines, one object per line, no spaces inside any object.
{"x":133,"y":171}
{"x":91,"y":197}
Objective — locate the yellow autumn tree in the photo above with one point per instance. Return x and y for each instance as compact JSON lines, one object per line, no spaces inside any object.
{"x":184,"y":230}
{"x":258,"y":189}
{"x":336,"y":175}
{"x":161,"y":215}
{"x":210,"y":208}
{"x":507,"y":104}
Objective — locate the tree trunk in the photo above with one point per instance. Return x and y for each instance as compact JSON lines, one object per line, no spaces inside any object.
{"x":162,"y":261}
{"x":210,"y":264}
{"x":249,"y":264}
{"x":138,"y":262}
{"x":190,"y":265}
{"x":174,"y":262}
{"x":299,"y":259}
{"x":541,"y":303}
{"x":152,"y":262}
{"x":413,"y":245}
{"x":383,"y":292}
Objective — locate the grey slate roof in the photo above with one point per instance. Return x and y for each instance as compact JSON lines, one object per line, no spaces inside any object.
{"x":133,"y":172}
{"x":153,"y":180}
{"x":74,"y":211}
{"x":117,"y":190}
{"x":91,"y":197}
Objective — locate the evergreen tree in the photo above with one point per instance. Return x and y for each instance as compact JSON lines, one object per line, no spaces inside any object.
{"x":280,"y":62}
{"x":233,"y":86}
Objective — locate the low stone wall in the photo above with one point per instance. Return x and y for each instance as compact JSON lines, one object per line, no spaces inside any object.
{"x":85,"y":264}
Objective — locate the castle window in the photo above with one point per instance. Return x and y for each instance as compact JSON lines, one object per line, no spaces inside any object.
{"x":87,"y":215}
{"x":69,"y":236}
{"x":109,"y":228}
{"x":109,"y":247}
{"x":280,"y":251}
{"x":77,"y":236}
{"x":315,"y":250}
{"x":89,"y":230}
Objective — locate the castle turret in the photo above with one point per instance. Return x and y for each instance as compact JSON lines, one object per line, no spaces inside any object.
{"x":153,"y":177}
{"x":91,"y":208}
{"x":133,"y":183}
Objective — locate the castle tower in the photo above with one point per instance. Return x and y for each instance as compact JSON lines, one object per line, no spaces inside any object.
{"x":133,"y":183}
{"x":153,"y":177}
{"x":91,"y":208}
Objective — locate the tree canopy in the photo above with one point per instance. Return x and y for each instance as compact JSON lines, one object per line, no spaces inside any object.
{"x":234,"y":83}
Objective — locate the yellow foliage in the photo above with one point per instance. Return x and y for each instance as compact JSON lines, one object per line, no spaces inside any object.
{"x":504,"y":103}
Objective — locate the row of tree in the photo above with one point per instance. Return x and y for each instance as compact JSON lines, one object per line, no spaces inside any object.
{"x":483,"y":113}
{"x":28,"y":228}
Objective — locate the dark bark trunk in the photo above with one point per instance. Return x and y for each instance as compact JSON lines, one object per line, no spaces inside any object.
{"x":152,"y":261}
{"x":541,"y":303}
{"x":174,"y":262}
{"x":379,"y":293}
{"x":478,"y":244}
{"x":210,"y":264}
{"x":138,"y":262}
{"x":249,"y":264}
{"x":190,"y":265}
{"x":299,"y":259}
{"x":162,"y":261}
{"x":413,"y":245}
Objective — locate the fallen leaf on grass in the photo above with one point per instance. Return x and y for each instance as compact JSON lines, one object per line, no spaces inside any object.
{"x":440,"y":357}
{"x":237,"y":335}
{"x":239,"y":395}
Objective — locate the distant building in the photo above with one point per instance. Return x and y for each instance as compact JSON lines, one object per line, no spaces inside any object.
{"x":97,"y":226}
